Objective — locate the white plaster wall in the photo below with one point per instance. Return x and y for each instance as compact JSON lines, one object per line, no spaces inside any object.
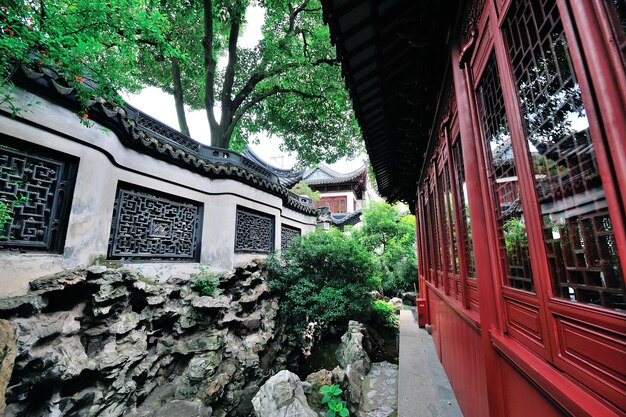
{"x":104,"y":161}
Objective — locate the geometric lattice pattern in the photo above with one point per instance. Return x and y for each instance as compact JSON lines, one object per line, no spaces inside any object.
{"x":287,"y":234}
{"x":151,"y":226}
{"x":254,"y":232}
{"x":578,"y":230}
{"x":508,"y":211}
{"x":35,"y":194}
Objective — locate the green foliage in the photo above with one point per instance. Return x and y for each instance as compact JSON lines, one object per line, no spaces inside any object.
{"x":7,"y":212}
{"x":324,"y":277}
{"x":383,"y":314}
{"x":205,"y":282}
{"x":515,"y":235}
{"x":389,"y":234}
{"x":302,"y":188}
{"x":331,"y":396}
{"x":93,"y":43}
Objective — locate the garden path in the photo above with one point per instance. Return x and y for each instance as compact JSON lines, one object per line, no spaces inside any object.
{"x":380,"y":391}
{"x":423,"y":387}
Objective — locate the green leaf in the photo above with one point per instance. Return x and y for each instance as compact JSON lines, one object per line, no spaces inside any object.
{"x":344,"y":412}
{"x":335,"y":390}
{"x":331,"y":413}
{"x":326,"y":398}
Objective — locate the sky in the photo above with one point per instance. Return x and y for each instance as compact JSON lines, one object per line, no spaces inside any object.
{"x":160,"y":105}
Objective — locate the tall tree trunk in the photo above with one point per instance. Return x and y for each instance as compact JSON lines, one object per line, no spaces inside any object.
{"x":178,"y":98}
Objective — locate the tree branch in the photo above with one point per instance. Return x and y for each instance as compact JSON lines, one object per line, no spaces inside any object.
{"x":209,"y":66}
{"x":229,"y":76}
{"x":259,"y":98}
{"x":256,"y":78}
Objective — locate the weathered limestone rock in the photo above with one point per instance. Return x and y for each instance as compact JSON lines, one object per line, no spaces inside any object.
{"x":107,"y":342}
{"x":282,"y":396}
{"x":352,"y":356}
{"x":8,"y":350}
{"x":353,"y":346}
{"x":408,"y":298}
{"x":397,"y":303}
{"x":315,"y":381}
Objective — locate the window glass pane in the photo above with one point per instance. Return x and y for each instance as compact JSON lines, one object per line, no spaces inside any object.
{"x":578,"y":232}
{"x":503,"y":177}
{"x":437,"y":241}
{"x":444,"y":242}
{"x":453,"y":261}
{"x":465,"y":227}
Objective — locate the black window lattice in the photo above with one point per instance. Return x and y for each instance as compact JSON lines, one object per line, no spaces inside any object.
{"x":35,"y":194}
{"x":152,"y":226}
{"x":254,"y":232}
{"x":287,"y":234}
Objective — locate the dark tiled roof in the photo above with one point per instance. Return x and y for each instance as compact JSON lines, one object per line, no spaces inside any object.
{"x":333,"y":177}
{"x":394,"y":56}
{"x":287,"y":177}
{"x":141,"y":132}
{"x":342,"y":220}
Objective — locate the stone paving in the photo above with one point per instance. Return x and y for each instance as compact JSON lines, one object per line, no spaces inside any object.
{"x":380,"y":391}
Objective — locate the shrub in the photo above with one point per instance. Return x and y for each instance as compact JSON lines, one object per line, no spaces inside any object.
{"x":388,"y":232}
{"x":206,"y":282}
{"x":324,"y":277}
{"x":383,"y":314}
{"x":331,"y":396}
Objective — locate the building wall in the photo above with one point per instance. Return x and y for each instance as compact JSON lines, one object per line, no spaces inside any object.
{"x":531,"y":287}
{"x":351,"y":198}
{"x":103,"y":163}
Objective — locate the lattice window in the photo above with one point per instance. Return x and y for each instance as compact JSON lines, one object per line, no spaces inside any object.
{"x":287,"y":234}
{"x":577,"y":227}
{"x":465,"y":226}
{"x":35,"y":196}
{"x":149,"y":225}
{"x":498,"y":149}
{"x":254,"y":231}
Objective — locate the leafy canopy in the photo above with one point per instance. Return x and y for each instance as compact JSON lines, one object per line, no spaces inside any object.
{"x":93,"y":43}
{"x":302,"y":188}
{"x":324,"y":277}
{"x":289,"y":84}
{"x":388,"y":233}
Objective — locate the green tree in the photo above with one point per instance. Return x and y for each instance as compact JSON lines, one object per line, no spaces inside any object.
{"x":324,"y":277}
{"x":289,"y":84}
{"x":92,"y":43}
{"x":302,"y":188}
{"x":389,"y":233}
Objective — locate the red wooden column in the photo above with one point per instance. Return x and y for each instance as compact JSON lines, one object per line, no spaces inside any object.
{"x":475,"y":176}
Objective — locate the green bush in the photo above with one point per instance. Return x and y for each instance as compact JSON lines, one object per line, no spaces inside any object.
{"x":388,"y":232}
{"x":205,"y":282}
{"x":324,"y":277}
{"x":383,"y":314}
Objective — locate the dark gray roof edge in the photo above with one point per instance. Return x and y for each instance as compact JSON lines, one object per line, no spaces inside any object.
{"x":143,"y":133}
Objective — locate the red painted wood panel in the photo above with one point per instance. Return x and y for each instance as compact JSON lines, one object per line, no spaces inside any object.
{"x":459,"y":347}
{"x":595,"y":357}
{"x":522,"y":399}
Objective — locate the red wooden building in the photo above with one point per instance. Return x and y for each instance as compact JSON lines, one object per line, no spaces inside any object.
{"x":503,"y":124}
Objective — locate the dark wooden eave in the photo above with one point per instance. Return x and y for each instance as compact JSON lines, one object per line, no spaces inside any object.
{"x":394,"y":55}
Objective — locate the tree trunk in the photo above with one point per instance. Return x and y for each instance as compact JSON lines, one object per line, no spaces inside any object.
{"x":178,"y":98}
